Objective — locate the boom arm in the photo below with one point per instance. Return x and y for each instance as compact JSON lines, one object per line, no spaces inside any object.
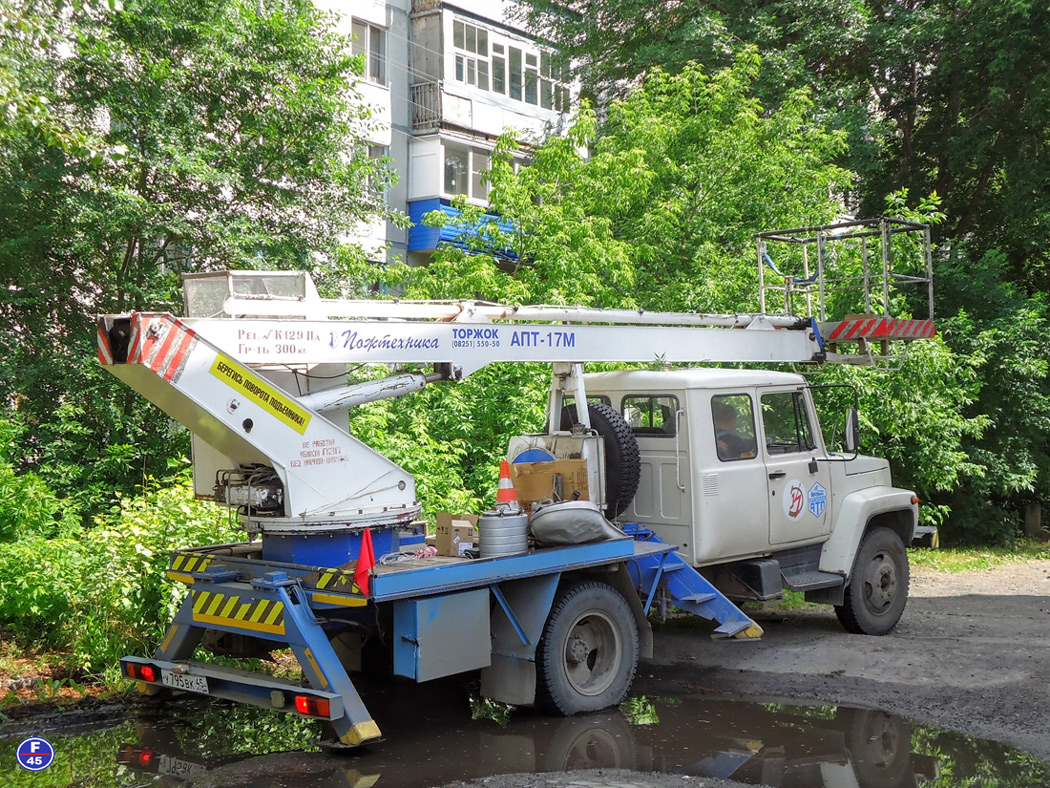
{"x":294,"y":471}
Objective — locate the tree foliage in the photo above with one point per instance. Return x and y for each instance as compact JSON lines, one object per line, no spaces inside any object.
{"x":216,"y":134}
{"x":659,"y":214}
{"x":942,"y":97}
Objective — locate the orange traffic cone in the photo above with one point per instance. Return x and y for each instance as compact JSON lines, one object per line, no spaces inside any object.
{"x":505,"y":494}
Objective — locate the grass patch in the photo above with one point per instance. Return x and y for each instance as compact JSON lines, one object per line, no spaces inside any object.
{"x":948,"y":559}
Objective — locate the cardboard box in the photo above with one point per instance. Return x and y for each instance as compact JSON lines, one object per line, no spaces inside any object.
{"x":455,"y":533}
{"x":555,"y":480}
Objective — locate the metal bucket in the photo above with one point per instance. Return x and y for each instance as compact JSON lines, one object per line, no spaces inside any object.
{"x":503,"y":532}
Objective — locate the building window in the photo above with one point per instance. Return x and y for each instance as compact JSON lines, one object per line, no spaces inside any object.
{"x":457,"y":165}
{"x":465,"y":169}
{"x":499,"y":69}
{"x":472,"y":54}
{"x":487,"y":60}
{"x":370,"y":41}
{"x":531,"y":79}
{"x":515,"y":73}
{"x":654,"y":415}
{"x":375,"y":187}
{"x":480,"y":164}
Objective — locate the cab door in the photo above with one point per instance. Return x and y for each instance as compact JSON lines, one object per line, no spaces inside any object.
{"x":798,"y":486}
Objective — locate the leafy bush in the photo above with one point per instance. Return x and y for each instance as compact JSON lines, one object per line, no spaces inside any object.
{"x":38,"y":579}
{"x":101,"y":593}
{"x":28,"y":505}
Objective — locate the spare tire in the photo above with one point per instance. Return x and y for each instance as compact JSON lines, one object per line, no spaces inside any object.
{"x":623,"y":463}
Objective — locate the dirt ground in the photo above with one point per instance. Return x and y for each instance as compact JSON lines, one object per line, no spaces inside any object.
{"x":971,"y":653}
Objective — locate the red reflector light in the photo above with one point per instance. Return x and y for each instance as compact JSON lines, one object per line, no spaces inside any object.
{"x":145,"y":757}
{"x":316,"y":707}
{"x":142,"y":672}
{"x":915,"y":499}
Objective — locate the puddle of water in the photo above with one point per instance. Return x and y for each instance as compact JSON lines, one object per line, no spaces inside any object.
{"x":431,"y":740}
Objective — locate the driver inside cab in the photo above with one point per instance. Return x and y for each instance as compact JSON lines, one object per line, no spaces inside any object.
{"x":731,"y":446}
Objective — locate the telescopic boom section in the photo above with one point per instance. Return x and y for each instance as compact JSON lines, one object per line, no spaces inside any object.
{"x":225,"y":374}
{"x":469,"y":336}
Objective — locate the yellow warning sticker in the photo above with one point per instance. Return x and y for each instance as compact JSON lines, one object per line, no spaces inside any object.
{"x":230,"y":610}
{"x":280,"y":405}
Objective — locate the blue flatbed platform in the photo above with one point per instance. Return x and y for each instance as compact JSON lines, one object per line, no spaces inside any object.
{"x":441,"y":574}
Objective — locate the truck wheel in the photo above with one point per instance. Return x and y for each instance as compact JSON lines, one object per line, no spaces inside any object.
{"x":623,"y":463}
{"x":597,"y":741}
{"x":879,"y":748}
{"x":588,"y":653}
{"x":878,"y":587}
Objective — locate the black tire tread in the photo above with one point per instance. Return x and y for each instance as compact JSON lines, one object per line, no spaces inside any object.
{"x":623,"y":461}
{"x":548,"y":659}
{"x":850,"y":616}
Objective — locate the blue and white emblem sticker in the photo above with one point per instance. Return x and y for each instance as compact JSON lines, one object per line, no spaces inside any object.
{"x":818,"y":499}
{"x":35,"y":754}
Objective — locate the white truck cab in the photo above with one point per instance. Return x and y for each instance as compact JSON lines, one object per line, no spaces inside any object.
{"x":734,"y":471}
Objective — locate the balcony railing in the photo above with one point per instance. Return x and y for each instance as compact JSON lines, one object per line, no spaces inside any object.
{"x":426,"y":106}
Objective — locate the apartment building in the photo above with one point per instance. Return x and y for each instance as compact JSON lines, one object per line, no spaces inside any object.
{"x":444,"y":80}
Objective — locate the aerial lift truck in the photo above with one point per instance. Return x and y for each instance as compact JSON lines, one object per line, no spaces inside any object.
{"x":256,"y":370}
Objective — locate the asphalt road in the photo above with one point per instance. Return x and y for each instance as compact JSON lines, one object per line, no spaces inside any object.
{"x":971,"y":653}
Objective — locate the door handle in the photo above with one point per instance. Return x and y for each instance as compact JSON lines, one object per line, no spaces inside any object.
{"x":778,"y":474}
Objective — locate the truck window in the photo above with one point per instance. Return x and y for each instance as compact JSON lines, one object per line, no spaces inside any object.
{"x":650,"y":414}
{"x":570,"y":403}
{"x":734,"y":419}
{"x":604,"y":400}
{"x":786,"y":423}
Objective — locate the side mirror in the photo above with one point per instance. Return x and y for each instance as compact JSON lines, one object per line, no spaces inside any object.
{"x":852,"y":437}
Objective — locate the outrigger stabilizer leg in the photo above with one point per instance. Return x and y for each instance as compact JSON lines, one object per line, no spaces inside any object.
{"x":274,"y":607}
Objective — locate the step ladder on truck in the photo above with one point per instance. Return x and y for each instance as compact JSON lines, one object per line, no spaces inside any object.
{"x":626,"y":503}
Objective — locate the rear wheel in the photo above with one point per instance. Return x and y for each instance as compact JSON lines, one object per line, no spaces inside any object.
{"x":588,"y":654}
{"x":623,"y":463}
{"x":878,"y":586}
{"x":880,"y":748}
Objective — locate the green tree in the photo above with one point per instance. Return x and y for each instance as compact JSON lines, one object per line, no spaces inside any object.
{"x":1003,"y":333}
{"x":944,"y":96}
{"x":659,"y":215}
{"x":31,"y":33}
{"x":222,"y":134}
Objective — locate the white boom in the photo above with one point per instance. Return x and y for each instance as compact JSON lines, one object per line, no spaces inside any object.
{"x":227,"y":369}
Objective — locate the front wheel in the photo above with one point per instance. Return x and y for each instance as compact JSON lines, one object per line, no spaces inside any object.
{"x":588,"y":654}
{"x":878,"y":587}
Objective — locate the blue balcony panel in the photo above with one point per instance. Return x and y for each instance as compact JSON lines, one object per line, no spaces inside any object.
{"x":425,"y":239}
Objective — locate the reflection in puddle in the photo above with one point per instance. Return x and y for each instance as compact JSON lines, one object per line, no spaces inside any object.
{"x":431,"y":740}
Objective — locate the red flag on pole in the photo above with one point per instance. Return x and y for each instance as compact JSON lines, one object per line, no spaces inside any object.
{"x":366,"y":559}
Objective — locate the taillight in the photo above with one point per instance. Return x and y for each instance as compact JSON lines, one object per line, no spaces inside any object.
{"x":315,"y":707}
{"x":141,"y":672}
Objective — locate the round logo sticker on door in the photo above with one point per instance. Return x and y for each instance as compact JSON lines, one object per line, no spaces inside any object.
{"x":794,"y":499}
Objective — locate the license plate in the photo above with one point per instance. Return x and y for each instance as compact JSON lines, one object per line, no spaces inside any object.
{"x":178,"y":767}
{"x":184,"y":681}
